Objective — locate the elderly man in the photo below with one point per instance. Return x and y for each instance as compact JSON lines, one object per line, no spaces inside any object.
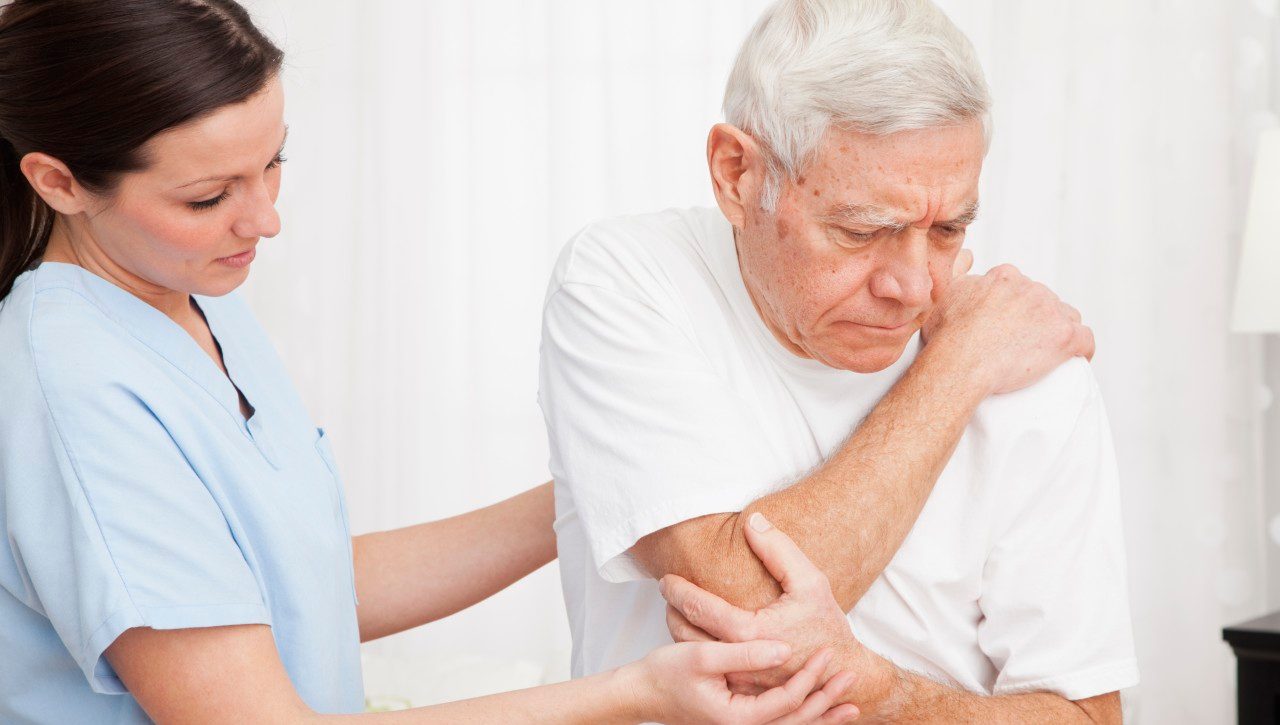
{"x":804,"y":353}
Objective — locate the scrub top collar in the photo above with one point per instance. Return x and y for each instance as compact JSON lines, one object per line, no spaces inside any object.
{"x":167,"y":338}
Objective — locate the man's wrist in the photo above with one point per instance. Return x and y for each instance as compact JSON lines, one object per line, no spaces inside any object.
{"x":877,"y":683}
{"x":894,"y":706}
{"x":948,"y":358}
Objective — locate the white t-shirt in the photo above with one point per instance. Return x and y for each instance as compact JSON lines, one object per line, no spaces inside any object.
{"x":666,"y":398}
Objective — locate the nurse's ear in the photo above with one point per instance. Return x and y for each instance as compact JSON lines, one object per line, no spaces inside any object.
{"x":55,"y":183}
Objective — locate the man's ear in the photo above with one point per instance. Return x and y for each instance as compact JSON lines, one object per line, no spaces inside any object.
{"x":738,"y":171}
{"x":55,"y":183}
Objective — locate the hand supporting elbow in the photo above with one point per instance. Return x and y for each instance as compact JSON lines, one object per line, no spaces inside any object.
{"x":806,"y":616}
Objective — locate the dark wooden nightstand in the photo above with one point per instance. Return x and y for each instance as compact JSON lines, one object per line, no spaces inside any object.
{"x":1257,"y":647}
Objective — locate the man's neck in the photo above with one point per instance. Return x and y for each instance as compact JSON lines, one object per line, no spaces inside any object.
{"x":773,"y":329}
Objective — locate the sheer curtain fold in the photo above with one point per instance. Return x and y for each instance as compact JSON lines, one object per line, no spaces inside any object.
{"x":441,"y":153}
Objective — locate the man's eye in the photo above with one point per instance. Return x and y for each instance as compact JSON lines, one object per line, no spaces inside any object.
{"x":950,"y":235}
{"x":860,"y":236}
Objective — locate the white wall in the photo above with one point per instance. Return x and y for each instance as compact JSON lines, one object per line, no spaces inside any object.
{"x":440,"y":152}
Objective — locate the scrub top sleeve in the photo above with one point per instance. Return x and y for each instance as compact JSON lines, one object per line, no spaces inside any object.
{"x":643,"y":432}
{"x":113,"y":527}
{"x":1054,"y":595}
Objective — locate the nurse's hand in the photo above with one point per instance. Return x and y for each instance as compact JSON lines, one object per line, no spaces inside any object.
{"x":806,"y":616}
{"x":685,"y":683}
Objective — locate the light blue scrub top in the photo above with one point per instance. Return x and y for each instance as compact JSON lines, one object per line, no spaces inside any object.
{"x":134,"y":494}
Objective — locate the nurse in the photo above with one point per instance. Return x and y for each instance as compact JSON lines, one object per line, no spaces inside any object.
{"x":175,"y":540}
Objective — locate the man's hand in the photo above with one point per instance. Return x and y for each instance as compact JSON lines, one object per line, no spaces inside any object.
{"x":806,"y":616}
{"x":1004,"y":328}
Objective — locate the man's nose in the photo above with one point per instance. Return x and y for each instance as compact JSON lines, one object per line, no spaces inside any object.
{"x":904,"y":276}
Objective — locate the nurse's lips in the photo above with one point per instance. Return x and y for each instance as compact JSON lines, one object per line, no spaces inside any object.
{"x":239,"y":260}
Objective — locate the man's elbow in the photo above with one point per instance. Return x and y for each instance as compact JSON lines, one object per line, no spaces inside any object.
{"x":711,"y":552}
{"x":1102,"y":709}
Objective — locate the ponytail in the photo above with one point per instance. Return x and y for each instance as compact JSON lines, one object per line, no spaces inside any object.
{"x":25,"y":220}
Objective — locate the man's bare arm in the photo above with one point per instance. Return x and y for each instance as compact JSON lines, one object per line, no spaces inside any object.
{"x":852,"y":513}
{"x":991,"y":334}
{"x":884,"y":692}
{"x":922,"y":700}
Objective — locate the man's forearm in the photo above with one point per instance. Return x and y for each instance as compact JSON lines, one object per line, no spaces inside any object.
{"x":418,"y":574}
{"x":851,"y":514}
{"x":917,"y":699}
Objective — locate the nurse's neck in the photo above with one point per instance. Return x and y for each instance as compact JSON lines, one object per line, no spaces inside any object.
{"x":81,"y":250}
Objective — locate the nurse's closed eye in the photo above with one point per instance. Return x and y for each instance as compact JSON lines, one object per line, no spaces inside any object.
{"x":210,"y":203}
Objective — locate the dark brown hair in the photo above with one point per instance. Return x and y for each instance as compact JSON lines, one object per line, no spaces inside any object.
{"x":90,"y":81}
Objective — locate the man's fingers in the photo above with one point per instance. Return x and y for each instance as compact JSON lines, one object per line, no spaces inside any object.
{"x":963,"y":263}
{"x":681,"y":630}
{"x":705,"y":610}
{"x":744,"y":683}
{"x":780,"y":555}
{"x":1084,"y":343}
{"x":840,"y":715}
{"x":1072,"y":313}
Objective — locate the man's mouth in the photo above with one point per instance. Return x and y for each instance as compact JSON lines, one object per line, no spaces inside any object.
{"x":892,"y":327}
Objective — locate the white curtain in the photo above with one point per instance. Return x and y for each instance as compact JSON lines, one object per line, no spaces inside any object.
{"x":442,"y":151}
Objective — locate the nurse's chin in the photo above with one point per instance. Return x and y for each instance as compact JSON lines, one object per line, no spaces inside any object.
{"x":221,"y":281}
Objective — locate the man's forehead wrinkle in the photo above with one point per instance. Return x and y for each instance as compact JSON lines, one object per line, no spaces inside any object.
{"x":872,"y":215}
{"x":862,"y":214}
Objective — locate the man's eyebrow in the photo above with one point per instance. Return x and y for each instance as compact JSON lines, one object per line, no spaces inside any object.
{"x":234,"y":178}
{"x":965,"y":218}
{"x":874,"y":216}
{"x":864,"y":214}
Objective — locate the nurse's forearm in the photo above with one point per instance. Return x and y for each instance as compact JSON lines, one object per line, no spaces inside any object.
{"x":609,"y":698}
{"x":418,"y":574}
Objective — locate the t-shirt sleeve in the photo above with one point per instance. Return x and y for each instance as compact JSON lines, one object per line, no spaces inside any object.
{"x":113,"y":528}
{"x":1054,"y":597}
{"x":644,"y":433}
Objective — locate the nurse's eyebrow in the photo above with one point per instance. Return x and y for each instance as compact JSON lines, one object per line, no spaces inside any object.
{"x":235,"y":178}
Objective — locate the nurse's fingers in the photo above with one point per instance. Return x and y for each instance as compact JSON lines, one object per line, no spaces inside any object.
{"x":819,"y":707}
{"x":724,"y":657}
{"x":794,"y":694}
{"x":706,"y":611}
{"x":681,"y":630}
{"x":784,"y":560}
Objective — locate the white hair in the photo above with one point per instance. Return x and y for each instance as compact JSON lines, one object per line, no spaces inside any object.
{"x":871,"y":66}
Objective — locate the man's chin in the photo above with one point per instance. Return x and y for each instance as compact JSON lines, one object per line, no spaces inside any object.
{"x":866,"y":358}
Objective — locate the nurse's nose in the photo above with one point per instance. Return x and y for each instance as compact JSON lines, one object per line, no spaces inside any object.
{"x":904,"y":276}
{"x":258,"y":217}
